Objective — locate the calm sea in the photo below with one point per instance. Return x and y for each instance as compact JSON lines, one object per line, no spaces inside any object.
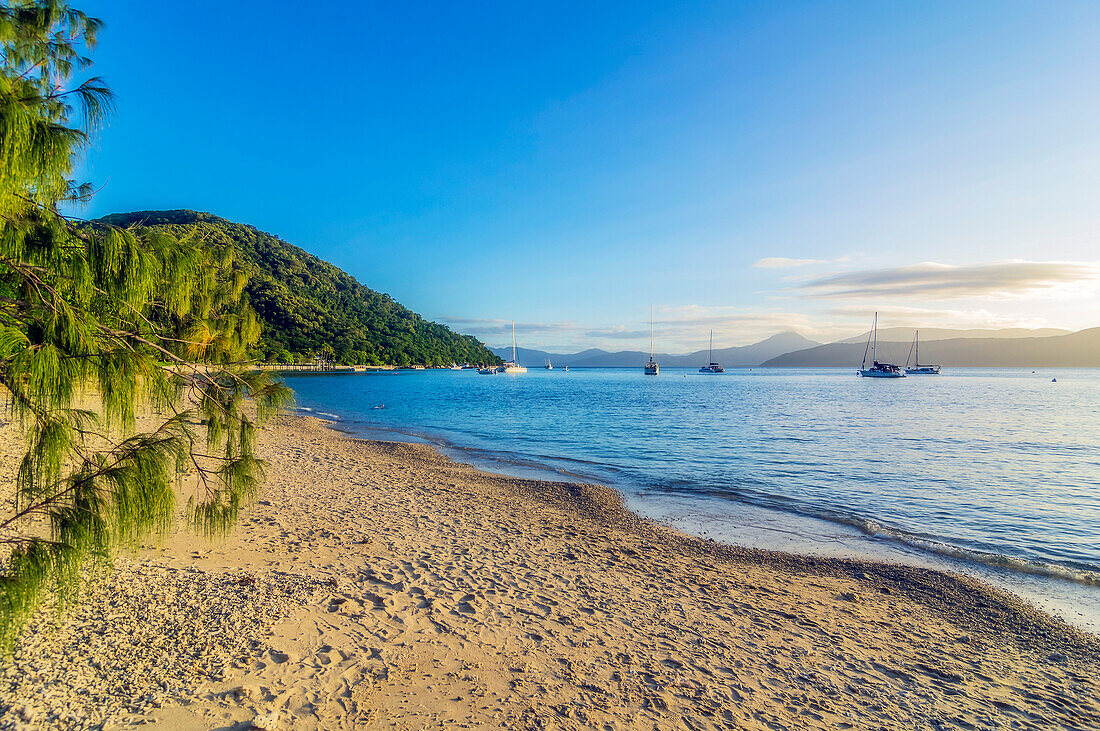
{"x":988,"y":471}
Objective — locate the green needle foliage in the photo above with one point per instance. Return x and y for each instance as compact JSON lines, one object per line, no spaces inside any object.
{"x":98,"y":325}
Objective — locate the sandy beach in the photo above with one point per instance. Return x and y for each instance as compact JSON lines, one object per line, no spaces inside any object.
{"x":381,"y":585}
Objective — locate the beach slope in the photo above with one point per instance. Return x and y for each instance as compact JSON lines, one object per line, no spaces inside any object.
{"x":383,"y":585}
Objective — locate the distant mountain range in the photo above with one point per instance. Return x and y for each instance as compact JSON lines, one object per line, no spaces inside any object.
{"x":1073,"y":350}
{"x":741,"y":356}
{"x":1012,"y":347}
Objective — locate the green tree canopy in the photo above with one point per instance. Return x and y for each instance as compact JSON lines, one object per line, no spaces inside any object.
{"x":98,"y":322}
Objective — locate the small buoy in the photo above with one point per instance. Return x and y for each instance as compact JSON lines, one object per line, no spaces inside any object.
{"x":1054,"y":380}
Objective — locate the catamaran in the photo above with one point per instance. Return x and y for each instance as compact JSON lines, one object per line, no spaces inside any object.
{"x":877,"y":370}
{"x":918,"y":369}
{"x":651,"y":368}
{"x":712,"y":367}
{"x":510,"y":366}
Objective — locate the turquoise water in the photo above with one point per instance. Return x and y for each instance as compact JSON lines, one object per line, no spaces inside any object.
{"x":995,"y":472}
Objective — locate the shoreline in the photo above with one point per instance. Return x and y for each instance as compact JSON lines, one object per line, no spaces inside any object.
{"x":424,"y":591}
{"x":847,"y":538}
{"x":946,"y":590}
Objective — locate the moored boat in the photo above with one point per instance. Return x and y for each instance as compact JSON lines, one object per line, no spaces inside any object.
{"x":651,"y":368}
{"x":511,"y":366}
{"x":918,"y":369}
{"x":711,"y":367}
{"x":877,"y":370}
{"x":882,"y":370}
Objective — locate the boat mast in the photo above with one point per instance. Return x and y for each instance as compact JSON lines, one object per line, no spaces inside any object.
{"x":651,"y":333}
{"x":513,"y":342}
{"x":710,"y":353}
{"x":875,"y":347}
{"x":916,"y":343}
{"x":868,"y":345}
{"x":911,"y":352}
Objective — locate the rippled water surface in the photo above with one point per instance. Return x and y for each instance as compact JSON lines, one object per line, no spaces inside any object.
{"x":998,"y":466}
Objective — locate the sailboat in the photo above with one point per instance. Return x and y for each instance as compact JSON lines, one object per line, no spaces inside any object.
{"x":510,"y":366}
{"x":549,"y":366}
{"x":651,"y":368}
{"x":918,"y":369}
{"x":877,"y":370}
{"x":712,"y":367}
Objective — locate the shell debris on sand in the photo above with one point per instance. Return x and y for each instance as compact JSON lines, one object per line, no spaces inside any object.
{"x":144,"y":638}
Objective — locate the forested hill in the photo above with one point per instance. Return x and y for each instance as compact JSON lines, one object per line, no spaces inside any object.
{"x":310,"y":307}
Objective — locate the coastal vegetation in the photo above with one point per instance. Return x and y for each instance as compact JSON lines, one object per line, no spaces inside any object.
{"x":310,"y":308}
{"x":98,"y":325}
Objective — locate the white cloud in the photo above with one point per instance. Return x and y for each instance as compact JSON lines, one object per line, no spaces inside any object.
{"x":483,"y":327}
{"x":676,"y":329}
{"x":782,"y":262}
{"x":899,"y":316}
{"x":558,"y":336}
{"x":686,"y":327}
{"x":934,"y":281}
{"x":994,"y":295}
{"x":617,"y":332}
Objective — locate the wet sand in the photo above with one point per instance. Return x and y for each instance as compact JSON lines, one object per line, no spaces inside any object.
{"x":380,"y":584}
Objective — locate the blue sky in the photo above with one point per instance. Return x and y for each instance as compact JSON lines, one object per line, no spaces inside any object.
{"x":747,"y":167}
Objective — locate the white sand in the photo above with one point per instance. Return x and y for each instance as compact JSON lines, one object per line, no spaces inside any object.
{"x":382,"y":585}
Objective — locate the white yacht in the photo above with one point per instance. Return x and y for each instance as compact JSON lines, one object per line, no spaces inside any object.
{"x":511,"y":366}
{"x":651,"y":368}
{"x":877,"y":370}
{"x":918,"y":369}
{"x":712,"y":367}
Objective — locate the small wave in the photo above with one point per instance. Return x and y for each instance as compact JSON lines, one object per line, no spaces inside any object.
{"x":748,"y":491}
{"x":501,"y":459}
{"x":596,"y":466}
{"x":874,"y":529}
{"x":323,"y":414}
{"x":996,"y":560}
{"x":505,"y":461}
